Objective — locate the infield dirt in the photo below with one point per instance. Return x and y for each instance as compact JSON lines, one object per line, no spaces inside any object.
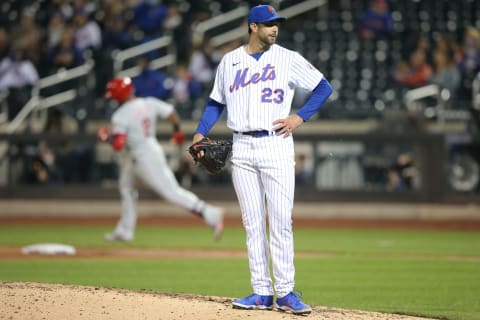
{"x":27,"y":300}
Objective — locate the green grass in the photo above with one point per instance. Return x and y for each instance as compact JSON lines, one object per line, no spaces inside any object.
{"x":429,"y":273}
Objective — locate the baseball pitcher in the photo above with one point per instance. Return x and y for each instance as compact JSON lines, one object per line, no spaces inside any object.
{"x":255,"y":83}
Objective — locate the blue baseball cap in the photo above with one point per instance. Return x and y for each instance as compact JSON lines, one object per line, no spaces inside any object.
{"x":263,"y":13}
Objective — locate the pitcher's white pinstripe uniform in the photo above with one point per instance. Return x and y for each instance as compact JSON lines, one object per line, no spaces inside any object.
{"x":256,"y":93}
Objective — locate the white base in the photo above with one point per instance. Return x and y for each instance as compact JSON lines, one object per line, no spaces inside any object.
{"x":49,"y":249}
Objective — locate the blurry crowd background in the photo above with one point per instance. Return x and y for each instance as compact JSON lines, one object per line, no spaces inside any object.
{"x":39,"y":38}
{"x":372,"y":51}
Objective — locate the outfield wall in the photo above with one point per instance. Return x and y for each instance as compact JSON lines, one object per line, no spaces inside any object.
{"x":158,"y":208}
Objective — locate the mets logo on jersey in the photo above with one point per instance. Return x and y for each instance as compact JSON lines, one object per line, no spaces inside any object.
{"x":242,"y":79}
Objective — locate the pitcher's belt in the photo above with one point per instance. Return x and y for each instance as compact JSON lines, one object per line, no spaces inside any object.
{"x":256,"y":134}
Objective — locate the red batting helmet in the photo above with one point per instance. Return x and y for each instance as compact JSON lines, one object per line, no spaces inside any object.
{"x":119,"y":89}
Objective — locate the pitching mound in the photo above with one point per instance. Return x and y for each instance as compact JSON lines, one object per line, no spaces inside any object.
{"x":24,"y":300}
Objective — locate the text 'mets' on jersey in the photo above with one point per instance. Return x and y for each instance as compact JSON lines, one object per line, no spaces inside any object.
{"x":137,"y":119}
{"x":262,"y":91}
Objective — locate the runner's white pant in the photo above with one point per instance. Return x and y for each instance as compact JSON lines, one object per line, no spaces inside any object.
{"x":264,"y":180}
{"x":149,"y":164}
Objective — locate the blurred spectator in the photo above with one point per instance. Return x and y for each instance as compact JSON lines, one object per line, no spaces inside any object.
{"x":180,"y":28}
{"x":17,"y":75}
{"x":55,"y":28}
{"x":149,"y":16}
{"x":446,"y":43}
{"x":185,"y":88}
{"x":302,"y":174}
{"x":468,"y":60}
{"x":445,"y":72}
{"x":42,"y":167}
{"x":468,"y":55}
{"x":16,"y":71}
{"x":416,"y":41}
{"x":150,"y":82}
{"x":203,"y":62}
{"x":173,"y":19}
{"x":77,"y":162}
{"x":87,"y":34}
{"x":376,"y":21}
{"x":402,"y":175}
{"x":65,"y":54}
{"x":415,"y":72}
{"x":423,"y":42}
{"x":27,"y":36}
{"x":74,"y":160}
{"x":111,"y":9}
{"x":36,"y":172}
{"x":117,"y":34}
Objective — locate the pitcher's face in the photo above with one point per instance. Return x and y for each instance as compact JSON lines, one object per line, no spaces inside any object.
{"x":267,"y":32}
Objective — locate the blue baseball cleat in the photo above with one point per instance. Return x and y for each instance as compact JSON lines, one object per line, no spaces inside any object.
{"x":254,"y":302}
{"x":292,"y":302}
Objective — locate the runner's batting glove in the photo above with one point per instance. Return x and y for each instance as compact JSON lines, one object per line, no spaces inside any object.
{"x":178,"y":137}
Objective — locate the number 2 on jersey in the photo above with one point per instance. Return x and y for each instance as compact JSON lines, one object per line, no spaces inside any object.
{"x":269,"y":95}
{"x":146,"y":127}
